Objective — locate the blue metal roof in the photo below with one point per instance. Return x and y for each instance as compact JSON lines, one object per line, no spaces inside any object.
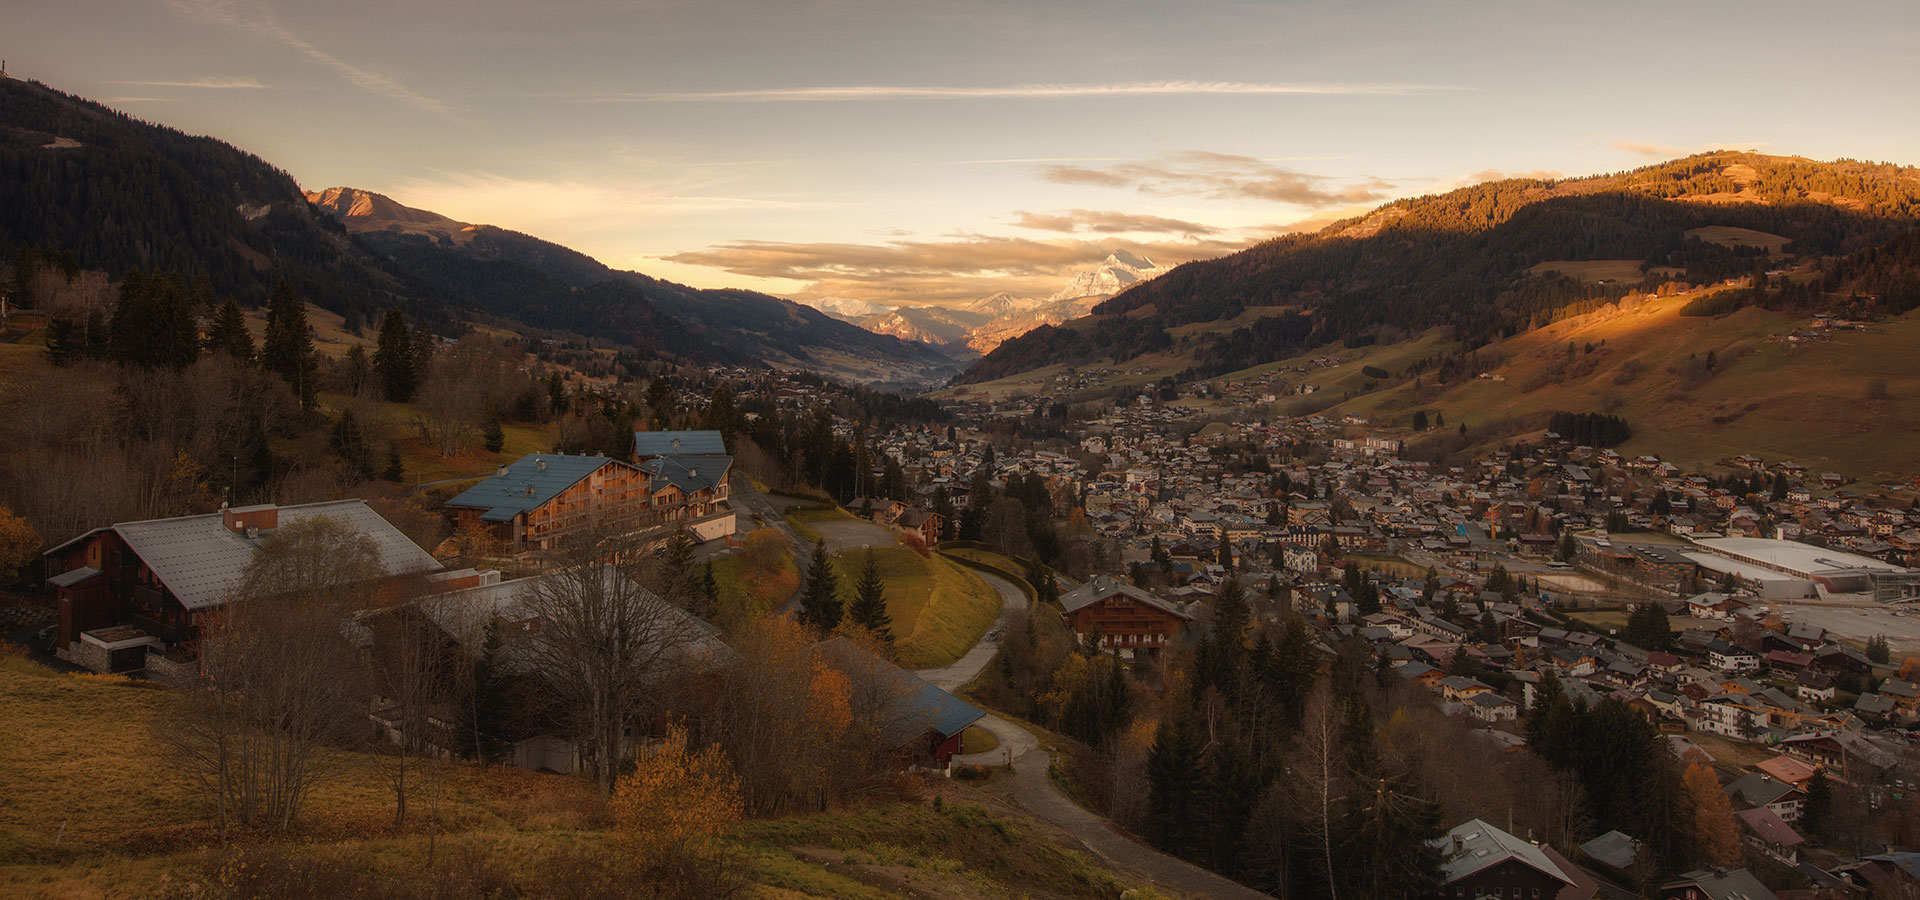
{"x":528,"y":483}
{"x":678,"y":443}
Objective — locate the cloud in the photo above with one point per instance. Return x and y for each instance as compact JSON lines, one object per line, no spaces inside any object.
{"x":570,"y":206}
{"x":1223,"y":176}
{"x":218,"y":84}
{"x":919,"y":272}
{"x":1663,"y":151}
{"x":254,"y":17}
{"x":1108,"y":222}
{"x":1485,"y":175}
{"x":1641,"y":148}
{"x":870,"y":92}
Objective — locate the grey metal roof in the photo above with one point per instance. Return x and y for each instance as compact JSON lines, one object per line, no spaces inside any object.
{"x":675,"y":443}
{"x":464,"y":615}
{"x":1483,"y":846}
{"x":69,"y":579}
{"x":1101,"y":587}
{"x":689,"y":472}
{"x":1614,"y":848}
{"x":1723,"y":884}
{"x":529,"y":483}
{"x":200,"y":560}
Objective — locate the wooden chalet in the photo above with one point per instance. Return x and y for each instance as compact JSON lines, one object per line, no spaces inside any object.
{"x":134,"y":595}
{"x":1131,"y":622}
{"x":542,"y":498}
{"x":1479,"y":860}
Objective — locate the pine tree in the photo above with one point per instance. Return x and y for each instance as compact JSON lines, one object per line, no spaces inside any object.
{"x":869,"y":609}
{"x":820,"y":601}
{"x":492,"y":435}
{"x":1174,"y":786}
{"x":394,"y":472}
{"x":1230,"y":619}
{"x":675,"y":578}
{"x":228,"y":334}
{"x":393,"y":358}
{"x":709,"y":594}
{"x":349,"y":441}
{"x":287,"y":349}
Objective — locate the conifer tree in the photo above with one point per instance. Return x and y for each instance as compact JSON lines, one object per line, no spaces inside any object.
{"x":287,"y":349}
{"x":393,"y":358}
{"x":493,"y":435}
{"x":820,"y":602}
{"x":709,"y":595}
{"x":1175,"y":782}
{"x":228,"y":334}
{"x":869,"y":608}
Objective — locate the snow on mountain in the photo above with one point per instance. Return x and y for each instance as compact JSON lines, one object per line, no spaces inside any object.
{"x":1119,"y":271}
{"x":1002,"y":304}
{"x":847,"y":308}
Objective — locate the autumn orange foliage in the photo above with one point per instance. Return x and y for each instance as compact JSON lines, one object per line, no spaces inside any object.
{"x":1712,"y":817}
{"x":675,"y":797}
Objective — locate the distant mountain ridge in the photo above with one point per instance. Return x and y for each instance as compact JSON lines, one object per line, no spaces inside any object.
{"x":545,"y":284}
{"x":981,"y":325}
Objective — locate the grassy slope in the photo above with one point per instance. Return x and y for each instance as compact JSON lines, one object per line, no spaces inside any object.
{"x":744,"y":598}
{"x":93,"y":812}
{"x":939,"y":609}
{"x":1779,"y":400}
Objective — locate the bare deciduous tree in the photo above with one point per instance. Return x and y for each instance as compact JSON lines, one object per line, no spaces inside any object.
{"x":281,"y":679}
{"x":607,"y":648}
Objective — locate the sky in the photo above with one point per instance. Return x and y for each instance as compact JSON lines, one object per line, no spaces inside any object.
{"x":907,"y":152}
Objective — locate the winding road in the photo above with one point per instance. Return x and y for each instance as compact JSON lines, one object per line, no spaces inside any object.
{"x":1035,"y":792}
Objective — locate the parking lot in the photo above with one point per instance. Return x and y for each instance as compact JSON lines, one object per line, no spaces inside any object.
{"x":1858,"y":623}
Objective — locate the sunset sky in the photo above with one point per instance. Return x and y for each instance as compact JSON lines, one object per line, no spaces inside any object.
{"x":901,"y":151}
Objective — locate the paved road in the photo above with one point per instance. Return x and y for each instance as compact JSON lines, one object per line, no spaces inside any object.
{"x":1035,"y":792}
{"x":951,"y":677}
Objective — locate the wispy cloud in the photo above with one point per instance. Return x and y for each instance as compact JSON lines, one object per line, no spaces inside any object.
{"x":1223,"y":176}
{"x":256,"y":18}
{"x":217,"y":84}
{"x":919,"y":272}
{"x":1108,"y":222}
{"x":843,"y":93}
{"x":1664,"y":151}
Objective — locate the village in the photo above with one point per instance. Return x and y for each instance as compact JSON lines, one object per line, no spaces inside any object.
{"x":1542,"y":571}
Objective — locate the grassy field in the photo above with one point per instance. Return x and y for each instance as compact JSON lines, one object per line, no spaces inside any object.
{"x":92,"y":812}
{"x":939,"y":609}
{"x":1801,"y":401}
{"x":744,"y":597}
{"x":977,"y":740}
{"x":1592,"y":269}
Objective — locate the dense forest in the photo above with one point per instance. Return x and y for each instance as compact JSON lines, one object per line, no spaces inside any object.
{"x":119,"y":194}
{"x":1462,"y":260}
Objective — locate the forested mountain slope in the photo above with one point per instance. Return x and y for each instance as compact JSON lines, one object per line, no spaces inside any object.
{"x":1471,"y":260}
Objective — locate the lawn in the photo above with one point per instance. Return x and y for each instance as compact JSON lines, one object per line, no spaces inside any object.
{"x":746,"y":596}
{"x":977,"y":740}
{"x":939,"y":609}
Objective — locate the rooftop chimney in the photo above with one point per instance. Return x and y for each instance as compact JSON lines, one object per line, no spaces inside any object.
{"x":500,"y":472}
{"x":540,"y":465}
{"x":265,"y":515}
